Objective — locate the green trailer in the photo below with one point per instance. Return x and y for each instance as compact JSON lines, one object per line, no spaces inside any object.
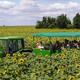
{"x":49,"y":35}
{"x":10,"y":45}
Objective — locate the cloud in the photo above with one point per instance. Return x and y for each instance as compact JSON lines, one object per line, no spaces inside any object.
{"x":29,"y":11}
{"x":56,"y":0}
{"x":27,"y":2}
{"x":6,"y":4}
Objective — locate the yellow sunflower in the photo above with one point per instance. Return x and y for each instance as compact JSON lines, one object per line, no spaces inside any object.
{"x":64,"y":58}
{"x":21,"y":60}
{"x":17,"y":72}
{"x":57,"y":55}
{"x":14,"y":54}
{"x":63,"y":78}
{"x":77,"y":66}
{"x":58,"y":71}
{"x":32,"y":74}
{"x":74,"y":61}
{"x":62,"y":54}
{"x":37,"y":74}
{"x":51,"y":64}
{"x":72,"y":78}
{"x":14,"y":60}
{"x":79,"y":79}
{"x":68,"y":52}
{"x":75,"y":58}
{"x":38,"y":69}
{"x":78,"y":74}
{"x":64,"y":71}
{"x":8,"y":55}
{"x":5,"y":72}
{"x":19,"y":54}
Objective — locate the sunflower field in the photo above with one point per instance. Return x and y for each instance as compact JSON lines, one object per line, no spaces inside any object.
{"x":63,"y":66}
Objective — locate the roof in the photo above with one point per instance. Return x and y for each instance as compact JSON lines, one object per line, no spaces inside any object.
{"x":12,"y":37}
{"x":58,"y":34}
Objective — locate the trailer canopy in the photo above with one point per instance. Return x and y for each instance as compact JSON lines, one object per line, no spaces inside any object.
{"x":58,"y":34}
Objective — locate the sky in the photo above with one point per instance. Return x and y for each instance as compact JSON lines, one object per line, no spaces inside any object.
{"x":28,"y":12}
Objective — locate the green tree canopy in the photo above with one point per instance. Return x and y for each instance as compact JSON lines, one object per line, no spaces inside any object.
{"x":62,"y":21}
{"x":48,"y":22}
{"x":76,"y":21}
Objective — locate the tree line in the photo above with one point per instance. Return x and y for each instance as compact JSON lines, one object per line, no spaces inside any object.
{"x":60,"y":22}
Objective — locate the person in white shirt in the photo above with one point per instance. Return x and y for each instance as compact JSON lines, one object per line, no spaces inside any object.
{"x":40,"y":46}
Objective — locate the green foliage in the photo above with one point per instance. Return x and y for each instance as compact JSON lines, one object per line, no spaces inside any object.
{"x":76,"y":21}
{"x":62,"y":21}
{"x":48,"y":22}
{"x":64,"y":65}
{"x":69,"y":26}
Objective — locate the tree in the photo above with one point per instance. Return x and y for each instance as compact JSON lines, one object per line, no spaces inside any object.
{"x":62,"y":21}
{"x":44,"y":21}
{"x":76,"y":21}
{"x":69,"y":26}
{"x":39,"y":24}
{"x":51,"y":22}
{"x":51,"y":26}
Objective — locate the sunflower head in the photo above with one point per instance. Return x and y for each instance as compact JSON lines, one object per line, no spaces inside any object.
{"x":78,"y":74}
{"x":64,"y":71}
{"x":45,"y":65}
{"x":68,"y":51}
{"x":57,"y":55}
{"x":72,"y":78}
{"x":45,"y":71}
{"x":58,"y":71}
{"x":14,"y":60}
{"x":8,"y":55}
{"x":51,"y":64}
{"x":21,"y":60}
{"x":64,"y":58}
{"x":77,"y":66}
{"x":63,"y":78}
{"x":75,"y":58}
{"x":79,"y":79}
{"x":17,"y":72}
{"x":5,"y":72}
{"x":37,"y":74}
{"x":19,"y":54}
{"x":14,"y":54}
{"x":74,"y":61}
{"x":32,"y":74}
{"x":62,"y":54}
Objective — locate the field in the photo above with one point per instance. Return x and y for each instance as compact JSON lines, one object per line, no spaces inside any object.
{"x":63,"y":66}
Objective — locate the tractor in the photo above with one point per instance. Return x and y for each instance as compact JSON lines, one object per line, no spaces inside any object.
{"x":10,"y":45}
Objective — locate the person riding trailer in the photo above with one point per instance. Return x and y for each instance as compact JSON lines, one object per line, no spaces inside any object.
{"x":39,"y":46}
{"x":55,"y":34}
